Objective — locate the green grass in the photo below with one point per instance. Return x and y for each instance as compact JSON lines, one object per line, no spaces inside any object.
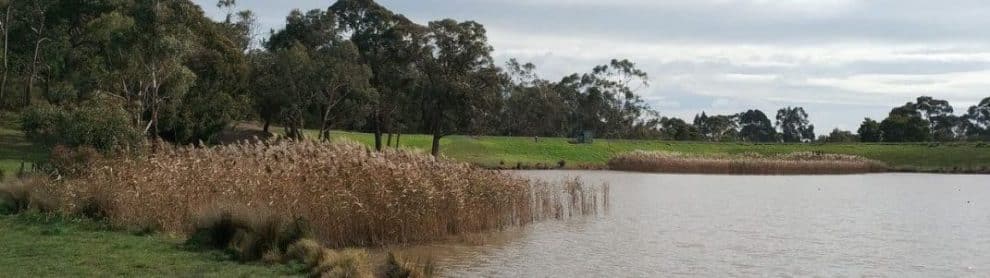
{"x":491,"y":151}
{"x":32,"y":245}
{"x":15,"y":149}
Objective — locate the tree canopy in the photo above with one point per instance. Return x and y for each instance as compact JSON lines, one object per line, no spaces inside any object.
{"x":163,"y":70}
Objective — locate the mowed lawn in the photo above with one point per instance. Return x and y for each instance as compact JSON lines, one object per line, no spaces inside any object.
{"x":15,"y":149}
{"x":33,"y":245}
{"x":508,"y":151}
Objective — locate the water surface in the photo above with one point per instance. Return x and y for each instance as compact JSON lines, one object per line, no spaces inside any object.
{"x":887,"y":225}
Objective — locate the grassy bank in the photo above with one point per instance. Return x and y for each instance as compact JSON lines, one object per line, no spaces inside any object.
{"x":32,"y":245}
{"x":508,"y":152}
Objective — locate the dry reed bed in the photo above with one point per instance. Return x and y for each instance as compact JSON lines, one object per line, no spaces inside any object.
{"x":802,"y":163}
{"x":348,"y":195}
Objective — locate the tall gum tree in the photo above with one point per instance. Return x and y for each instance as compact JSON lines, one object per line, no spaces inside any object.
{"x":462,"y":78}
{"x":391,"y":45}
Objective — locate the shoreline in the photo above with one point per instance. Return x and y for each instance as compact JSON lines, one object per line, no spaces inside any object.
{"x":597,"y":167}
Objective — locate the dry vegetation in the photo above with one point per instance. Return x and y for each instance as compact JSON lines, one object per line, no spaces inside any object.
{"x":801,"y":163}
{"x":262,"y":201}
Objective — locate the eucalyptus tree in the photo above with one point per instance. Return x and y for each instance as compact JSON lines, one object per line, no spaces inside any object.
{"x":343,"y":78}
{"x":5,"y":26}
{"x":717,"y":128}
{"x":37,"y":19}
{"x":948,"y":127}
{"x":869,"y":131}
{"x":607,"y":103}
{"x":266,"y":94}
{"x":939,"y":115}
{"x":462,"y":80}
{"x":978,"y":117}
{"x":392,"y":46}
{"x":534,"y":106}
{"x":756,"y":127}
{"x":794,"y":125}
{"x":327,"y":69}
{"x":145,"y":46}
{"x":297,"y":71}
{"x":679,"y":130}
{"x":906,"y":124}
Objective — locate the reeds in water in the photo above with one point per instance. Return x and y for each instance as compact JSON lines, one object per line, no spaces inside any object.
{"x":348,"y":195}
{"x":802,"y":163}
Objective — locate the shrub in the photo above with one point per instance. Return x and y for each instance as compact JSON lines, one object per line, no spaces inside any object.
{"x":101,"y":123}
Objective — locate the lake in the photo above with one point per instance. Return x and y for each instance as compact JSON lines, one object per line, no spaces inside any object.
{"x":887,"y":225}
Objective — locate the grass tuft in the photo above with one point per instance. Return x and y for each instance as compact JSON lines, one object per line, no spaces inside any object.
{"x":396,"y":267}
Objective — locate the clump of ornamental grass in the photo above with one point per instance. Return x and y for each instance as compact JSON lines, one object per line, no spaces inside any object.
{"x":348,"y":195}
{"x":249,"y":236}
{"x":322,"y":262}
{"x":800,"y":163}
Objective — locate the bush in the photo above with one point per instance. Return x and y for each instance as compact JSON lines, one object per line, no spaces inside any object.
{"x":101,"y":123}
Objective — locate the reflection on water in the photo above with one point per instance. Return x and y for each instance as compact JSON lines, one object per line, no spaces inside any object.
{"x":892,"y":225}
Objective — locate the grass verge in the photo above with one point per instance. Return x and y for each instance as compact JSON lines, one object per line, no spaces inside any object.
{"x":34,"y":245}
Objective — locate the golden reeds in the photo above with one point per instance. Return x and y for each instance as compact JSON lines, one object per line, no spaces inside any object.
{"x":802,"y":163}
{"x":348,"y":195}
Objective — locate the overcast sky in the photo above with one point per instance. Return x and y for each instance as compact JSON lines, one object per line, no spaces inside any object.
{"x":842,"y":60}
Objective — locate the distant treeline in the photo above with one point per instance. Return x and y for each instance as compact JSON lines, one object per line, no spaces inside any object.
{"x":925,"y":120}
{"x":110,"y":74}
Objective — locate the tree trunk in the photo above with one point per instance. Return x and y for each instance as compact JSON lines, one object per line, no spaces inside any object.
{"x":154,"y":104}
{"x":154,"y":117}
{"x":378,"y":133}
{"x":295,"y":124}
{"x":34,"y":71}
{"x":398,"y":138}
{"x":325,"y":126}
{"x":268,"y":124}
{"x":388,"y":142}
{"x":6,"y":42}
{"x":435,"y":151}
